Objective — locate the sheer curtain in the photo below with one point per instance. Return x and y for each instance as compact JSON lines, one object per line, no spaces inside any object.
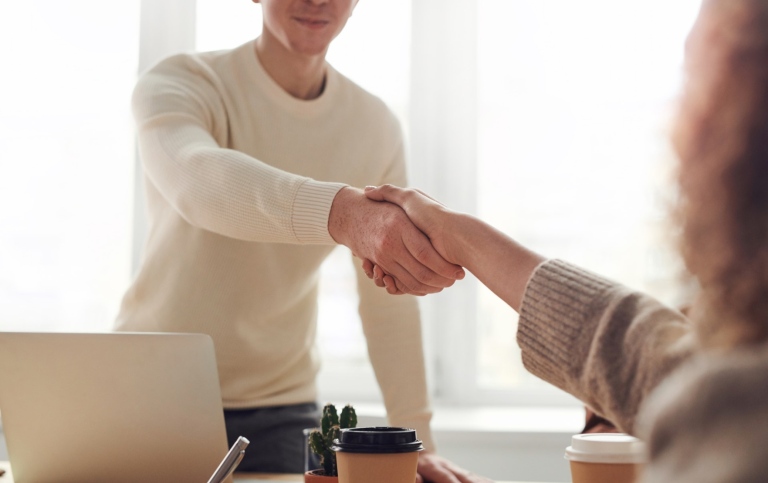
{"x":573,"y":155}
{"x":66,"y":162}
{"x":547,"y":119}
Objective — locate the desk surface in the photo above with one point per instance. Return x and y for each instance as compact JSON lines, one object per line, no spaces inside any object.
{"x":240,"y":477}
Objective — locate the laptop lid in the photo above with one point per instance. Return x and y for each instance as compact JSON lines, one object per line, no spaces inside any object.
{"x":111,"y":407}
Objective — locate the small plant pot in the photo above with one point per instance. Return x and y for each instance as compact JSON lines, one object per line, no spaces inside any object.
{"x":317,"y":476}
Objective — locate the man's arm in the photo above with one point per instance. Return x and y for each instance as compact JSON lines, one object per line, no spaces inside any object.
{"x":236,"y":195}
{"x":498,"y":261}
{"x":382,"y":232}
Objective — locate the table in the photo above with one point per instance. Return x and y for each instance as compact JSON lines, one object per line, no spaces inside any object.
{"x":8,"y":477}
{"x":242,"y":477}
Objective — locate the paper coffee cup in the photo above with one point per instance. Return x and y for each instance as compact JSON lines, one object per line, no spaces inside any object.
{"x":377,"y":455}
{"x":605,"y":458}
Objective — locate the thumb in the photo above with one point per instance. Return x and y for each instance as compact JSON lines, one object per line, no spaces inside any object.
{"x":374,"y":193}
{"x":386,"y":192}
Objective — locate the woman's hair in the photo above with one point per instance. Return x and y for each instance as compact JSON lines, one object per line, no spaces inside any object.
{"x":722,"y":141}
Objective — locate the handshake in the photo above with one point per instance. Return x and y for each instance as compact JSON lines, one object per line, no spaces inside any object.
{"x":412,"y":244}
{"x":400,"y":234}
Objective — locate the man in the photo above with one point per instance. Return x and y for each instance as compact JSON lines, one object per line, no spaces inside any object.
{"x":250,"y":157}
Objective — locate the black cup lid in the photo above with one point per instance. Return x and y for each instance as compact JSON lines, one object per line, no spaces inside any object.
{"x":377,"y":440}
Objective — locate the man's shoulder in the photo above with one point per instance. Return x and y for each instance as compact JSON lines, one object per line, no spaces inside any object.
{"x":193,"y":64}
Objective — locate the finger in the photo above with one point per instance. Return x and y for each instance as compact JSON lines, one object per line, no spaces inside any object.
{"x":389,"y":281}
{"x":406,"y":273}
{"x":391,"y":285}
{"x":412,"y":287}
{"x":383,"y":280}
{"x":467,"y":477}
{"x":404,"y":282}
{"x":419,"y":479}
{"x":378,"y":276}
{"x":436,"y":271}
{"x":368,"y":268}
{"x":464,"y":476}
{"x":386,"y":192}
{"x":437,"y":474}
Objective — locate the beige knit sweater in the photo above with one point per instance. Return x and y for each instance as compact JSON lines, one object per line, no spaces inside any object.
{"x":240,"y":178}
{"x":611,"y":347}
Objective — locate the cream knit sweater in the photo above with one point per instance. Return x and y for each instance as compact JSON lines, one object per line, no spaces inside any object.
{"x":703,"y":414}
{"x":240,"y":178}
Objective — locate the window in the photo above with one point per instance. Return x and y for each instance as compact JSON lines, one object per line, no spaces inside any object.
{"x":66,"y":162}
{"x":547,"y":119}
{"x":557,"y":110}
{"x":574,"y":100}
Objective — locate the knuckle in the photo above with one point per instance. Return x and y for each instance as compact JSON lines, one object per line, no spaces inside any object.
{"x":422,"y":253}
{"x":424,"y":275}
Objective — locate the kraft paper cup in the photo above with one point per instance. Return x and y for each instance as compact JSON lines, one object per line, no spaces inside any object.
{"x":377,"y":455}
{"x":605,"y":458}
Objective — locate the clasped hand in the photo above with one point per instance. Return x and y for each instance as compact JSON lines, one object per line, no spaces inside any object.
{"x":387,"y":240}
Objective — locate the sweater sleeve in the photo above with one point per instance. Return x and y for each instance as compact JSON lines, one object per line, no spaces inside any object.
{"x":605,"y":344}
{"x":179,"y":117}
{"x":709,"y":421}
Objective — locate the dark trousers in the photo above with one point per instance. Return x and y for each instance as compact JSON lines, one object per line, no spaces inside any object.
{"x":276,"y":436}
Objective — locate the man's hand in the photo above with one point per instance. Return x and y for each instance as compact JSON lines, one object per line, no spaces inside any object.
{"x":429,"y":216}
{"x":434,"y":469}
{"x":383,"y":234}
{"x":498,"y":261}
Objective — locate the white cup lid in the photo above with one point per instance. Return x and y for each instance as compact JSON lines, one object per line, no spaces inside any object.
{"x":605,"y":448}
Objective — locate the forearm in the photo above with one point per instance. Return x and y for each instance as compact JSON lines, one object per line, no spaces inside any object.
{"x":499,"y":262}
{"x":230,"y":193}
{"x":600,"y":341}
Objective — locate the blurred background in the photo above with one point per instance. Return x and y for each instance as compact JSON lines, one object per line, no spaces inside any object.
{"x":548,"y":119}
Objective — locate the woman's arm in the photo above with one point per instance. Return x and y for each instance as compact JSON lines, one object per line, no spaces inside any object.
{"x":499,"y":262}
{"x":604,"y":343}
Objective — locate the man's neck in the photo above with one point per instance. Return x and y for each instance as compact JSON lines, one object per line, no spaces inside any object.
{"x":302,"y":76}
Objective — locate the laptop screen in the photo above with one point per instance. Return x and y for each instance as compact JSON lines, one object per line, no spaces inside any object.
{"x":111,"y":407}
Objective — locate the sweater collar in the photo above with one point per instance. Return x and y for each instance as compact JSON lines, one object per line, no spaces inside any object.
{"x":299,"y":107}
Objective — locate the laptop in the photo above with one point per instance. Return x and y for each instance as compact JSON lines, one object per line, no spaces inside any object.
{"x":111,"y":407}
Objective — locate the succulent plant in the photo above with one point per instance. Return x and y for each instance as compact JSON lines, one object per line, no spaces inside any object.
{"x":331,"y":424}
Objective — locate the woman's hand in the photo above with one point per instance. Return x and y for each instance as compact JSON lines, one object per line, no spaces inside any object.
{"x":498,"y":261}
{"x":429,"y":216}
{"x":435,"y":469}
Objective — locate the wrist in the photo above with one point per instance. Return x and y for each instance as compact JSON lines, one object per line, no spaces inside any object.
{"x":340,"y":217}
{"x":463,"y":239}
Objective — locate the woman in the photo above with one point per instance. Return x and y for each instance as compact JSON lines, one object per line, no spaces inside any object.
{"x":694,"y":388}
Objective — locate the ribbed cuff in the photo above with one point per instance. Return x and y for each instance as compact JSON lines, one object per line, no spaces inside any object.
{"x":311,"y":209}
{"x":557,"y":319}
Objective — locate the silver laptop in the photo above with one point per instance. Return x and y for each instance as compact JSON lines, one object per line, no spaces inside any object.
{"x":111,"y":407}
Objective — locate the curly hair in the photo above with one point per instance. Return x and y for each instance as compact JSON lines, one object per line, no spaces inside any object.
{"x":722,"y":142}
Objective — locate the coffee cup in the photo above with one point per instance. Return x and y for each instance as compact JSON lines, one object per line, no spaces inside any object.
{"x":377,"y":455}
{"x":605,"y":458}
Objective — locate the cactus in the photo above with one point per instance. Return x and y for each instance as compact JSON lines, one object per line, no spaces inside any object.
{"x":320,"y":441}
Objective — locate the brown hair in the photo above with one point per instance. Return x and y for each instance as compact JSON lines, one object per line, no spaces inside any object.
{"x":722,"y":141}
